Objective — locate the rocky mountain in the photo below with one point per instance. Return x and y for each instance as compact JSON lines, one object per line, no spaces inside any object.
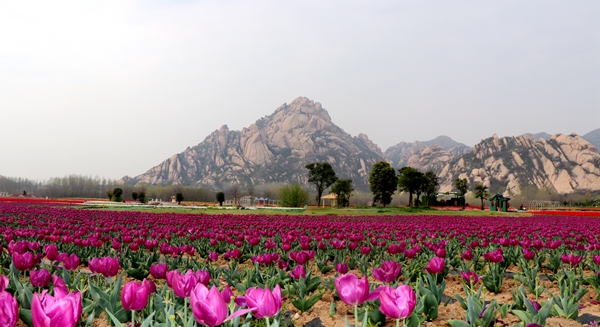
{"x":565,"y":163}
{"x":537,"y":136}
{"x":593,"y":137}
{"x":399,"y":154}
{"x":273,"y":149}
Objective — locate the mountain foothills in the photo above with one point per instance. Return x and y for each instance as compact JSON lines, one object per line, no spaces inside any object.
{"x":276,"y":149}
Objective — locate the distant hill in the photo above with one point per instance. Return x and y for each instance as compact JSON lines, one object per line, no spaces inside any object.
{"x":593,"y":137}
{"x":399,"y":154}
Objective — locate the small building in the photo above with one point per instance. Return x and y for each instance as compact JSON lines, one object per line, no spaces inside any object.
{"x":331,"y":197}
{"x":499,"y":203}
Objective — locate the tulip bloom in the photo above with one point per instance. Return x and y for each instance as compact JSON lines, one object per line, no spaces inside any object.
{"x":470,"y":276}
{"x":397,"y":303}
{"x":467,"y":255}
{"x":134,"y":296}
{"x":208,"y":307}
{"x":149,"y":285}
{"x":23,"y":261}
{"x":182,"y":284}
{"x":263,"y":303}
{"x":213,"y":256}
{"x":528,"y":254}
{"x":342,"y":268}
{"x":159,"y":271}
{"x":3,"y":283}
{"x":203,"y":277}
{"x":436,"y":266}
{"x":39,"y":278}
{"x":388,"y":272}
{"x":71,"y":262}
{"x":571,"y":259}
{"x":493,"y":256}
{"x":61,"y":310}
{"x":353,"y":291}
{"x":298,"y":272}
{"x":51,"y":251}
{"x":106,"y":266}
{"x":9,"y":309}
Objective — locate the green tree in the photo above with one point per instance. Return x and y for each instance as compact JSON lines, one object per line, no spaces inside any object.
{"x":178,"y":197}
{"x":462,"y":186}
{"x":431,"y":185}
{"x":117,"y":194}
{"x":321,"y":175}
{"x":109,"y":194}
{"x":383,"y":182}
{"x":142,"y":197}
{"x":343,"y":190}
{"x":134,"y":196}
{"x":481,"y":193}
{"x":220,"y":198}
{"x":412,"y":181}
{"x":293,"y":195}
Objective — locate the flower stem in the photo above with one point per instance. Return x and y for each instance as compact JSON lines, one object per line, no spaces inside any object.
{"x":268,"y":323}
{"x":132,"y":318}
{"x":355,"y":315}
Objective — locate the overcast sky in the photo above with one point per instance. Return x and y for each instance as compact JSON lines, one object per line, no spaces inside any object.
{"x":113,"y":88}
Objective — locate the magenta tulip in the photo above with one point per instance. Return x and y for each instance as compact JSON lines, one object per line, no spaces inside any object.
{"x":596,"y":259}
{"x":467,"y":255}
{"x":39,"y":278}
{"x":227,"y":294}
{"x":61,"y":310}
{"x":60,"y":288}
{"x":71,"y":262}
{"x":182,"y":284}
{"x":353,"y":291}
{"x":134,"y":296}
{"x":388,"y":272}
{"x":159,"y":270}
{"x":3,"y":283}
{"x":470,"y":276}
{"x":203,"y":277}
{"x":342,"y":268}
{"x":208,"y":307}
{"x":149,"y":285}
{"x":436,"y":266}
{"x":213,"y":256}
{"x":397,"y":303}
{"x":9,"y":310}
{"x":494,"y":256}
{"x":571,"y":259}
{"x":24,"y":261}
{"x":51,"y":251}
{"x":263,"y":303}
{"x":298,"y":272}
{"x":528,"y":254}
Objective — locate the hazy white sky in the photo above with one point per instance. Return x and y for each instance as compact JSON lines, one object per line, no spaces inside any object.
{"x":112,"y":88}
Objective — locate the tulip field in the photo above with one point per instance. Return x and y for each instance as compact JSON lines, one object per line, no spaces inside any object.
{"x":65,"y":267}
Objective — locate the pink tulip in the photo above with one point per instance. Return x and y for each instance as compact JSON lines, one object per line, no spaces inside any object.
{"x":388,"y":272}
{"x":159,"y":270}
{"x":149,"y":285}
{"x":213,"y":256}
{"x":470,"y":276}
{"x":227,"y":294}
{"x":298,"y":272}
{"x":353,"y":291}
{"x":51,"y":251}
{"x":71,"y":262}
{"x":263,"y":303}
{"x":441,"y":252}
{"x":9,"y":309}
{"x":24,"y":261}
{"x":397,"y":303}
{"x":467,"y":255}
{"x":61,"y":310}
{"x":182,"y":284}
{"x":342,"y":268}
{"x":106,"y":266}
{"x":203,"y":277}
{"x":3,"y":283}
{"x":528,"y":254}
{"x":493,"y":256}
{"x":571,"y":259}
{"x":39,"y":278}
{"x":596,"y":259}
{"x":134,"y":296}
{"x":436,"y":266}
{"x":60,"y":288}
{"x":208,"y":307}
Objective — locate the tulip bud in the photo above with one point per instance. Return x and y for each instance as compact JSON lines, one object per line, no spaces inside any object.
{"x":51,"y":251}
{"x":397,"y":303}
{"x":298,"y":272}
{"x":342,"y":268}
{"x":263,"y":303}
{"x":208,"y":307}
{"x":159,"y":270}
{"x":436,"y":266}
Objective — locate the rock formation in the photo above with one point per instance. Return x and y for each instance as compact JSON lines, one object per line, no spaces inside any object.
{"x":399,"y":154}
{"x":274,"y":149}
{"x":564,"y":163}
